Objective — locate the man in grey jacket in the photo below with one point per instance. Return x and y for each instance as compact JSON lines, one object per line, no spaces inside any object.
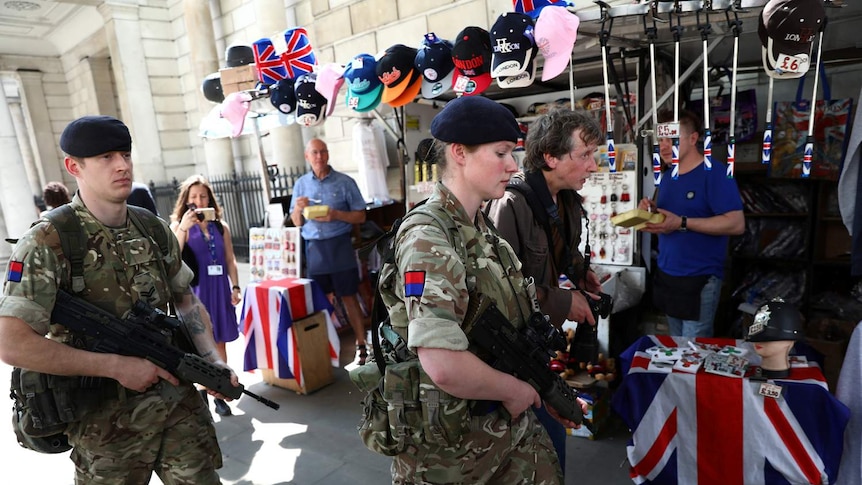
{"x":560,"y":157}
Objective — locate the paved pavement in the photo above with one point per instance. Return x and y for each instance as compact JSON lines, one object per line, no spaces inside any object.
{"x":311,"y":440}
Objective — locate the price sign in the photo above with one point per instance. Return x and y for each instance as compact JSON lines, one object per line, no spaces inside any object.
{"x":786,"y":63}
{"x":667,"y":130}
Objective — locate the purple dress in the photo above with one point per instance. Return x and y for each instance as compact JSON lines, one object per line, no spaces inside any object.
{"x":214,"y":291}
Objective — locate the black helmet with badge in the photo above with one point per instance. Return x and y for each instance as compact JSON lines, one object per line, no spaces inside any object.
{"x":776,"y":320}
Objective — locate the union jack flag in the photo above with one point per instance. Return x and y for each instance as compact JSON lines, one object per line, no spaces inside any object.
{"x":532,"y":7}
{"x":612,"y":154}
{"x":731,"y":157}
{"x":806,"y":158}
{"x":707,"y":149}
{"x":767,"y":144}
{"x":656,"y":165}
{"x":286,"y":56}
{"x":269,"y":310}
{"x":699,"y":429}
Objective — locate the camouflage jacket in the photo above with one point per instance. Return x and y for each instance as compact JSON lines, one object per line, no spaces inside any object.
{"x":427,"y":289}
{"x":121,"y":266}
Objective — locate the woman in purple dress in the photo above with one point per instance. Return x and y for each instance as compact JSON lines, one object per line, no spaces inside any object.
{"x":207,"y":249}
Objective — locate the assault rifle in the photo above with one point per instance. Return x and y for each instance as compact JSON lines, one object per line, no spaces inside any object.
{"x":144,"y":333}
{"x":524,"y":354}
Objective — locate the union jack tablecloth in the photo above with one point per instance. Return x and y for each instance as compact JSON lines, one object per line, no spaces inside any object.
{"x":269,"y":310}
{"x":699,"y":429}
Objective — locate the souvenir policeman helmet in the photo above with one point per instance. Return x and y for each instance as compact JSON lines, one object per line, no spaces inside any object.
{"x":776,"y":320}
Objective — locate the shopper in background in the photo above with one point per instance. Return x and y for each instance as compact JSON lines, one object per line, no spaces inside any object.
{"x":54,"y":194}
{"x":702,"y":208}
{"x":561,"y":147}
{"x":205,"y":240}
{"x":330,"y":257}
{"x":142,"y":197}
{"x":428,"y":300}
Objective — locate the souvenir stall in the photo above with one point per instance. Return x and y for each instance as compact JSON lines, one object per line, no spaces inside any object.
{"x":708,"y":56}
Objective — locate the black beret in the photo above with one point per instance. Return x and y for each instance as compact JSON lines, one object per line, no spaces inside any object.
{"x":474,"y":120}
{"x":89,"y":136}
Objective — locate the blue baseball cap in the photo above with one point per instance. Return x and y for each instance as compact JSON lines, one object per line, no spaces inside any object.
{"x":364,"y":89}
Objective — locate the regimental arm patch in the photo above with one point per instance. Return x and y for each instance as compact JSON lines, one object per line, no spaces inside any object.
{"x":414,"y":283}
{"x":15,"y":272}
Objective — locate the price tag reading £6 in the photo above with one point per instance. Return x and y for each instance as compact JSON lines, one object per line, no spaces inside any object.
{"x":797,"y":63}
{"x":667,"y":130}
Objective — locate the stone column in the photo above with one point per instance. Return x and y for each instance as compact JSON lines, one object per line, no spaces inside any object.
{"x":15,"y":110}
{"x":205,"y":61}
{"x":123,"y":33}
{"x":46,"y":153}
{"x":16,"y":199}
{"x":287,"y":145}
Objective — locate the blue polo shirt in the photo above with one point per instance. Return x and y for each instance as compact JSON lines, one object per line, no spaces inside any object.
{"x":699,"y":193}
{"x":338,"y":191}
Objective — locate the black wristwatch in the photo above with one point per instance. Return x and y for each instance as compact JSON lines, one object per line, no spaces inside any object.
{"x":683,"y":225}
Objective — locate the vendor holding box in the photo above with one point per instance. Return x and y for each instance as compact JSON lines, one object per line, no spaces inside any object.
{"x":326,"y":204}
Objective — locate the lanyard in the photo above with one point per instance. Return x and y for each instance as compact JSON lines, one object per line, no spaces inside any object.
{"x":210,"y":240}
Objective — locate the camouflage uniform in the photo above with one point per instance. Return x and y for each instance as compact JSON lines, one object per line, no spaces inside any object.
{"x":130,"y":434}
{"x":495,"y":450}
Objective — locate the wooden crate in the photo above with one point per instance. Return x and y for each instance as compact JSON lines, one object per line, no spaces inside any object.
{"x":312,"y":342}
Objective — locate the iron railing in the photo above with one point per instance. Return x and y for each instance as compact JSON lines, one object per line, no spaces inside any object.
{"x":240,"y":195}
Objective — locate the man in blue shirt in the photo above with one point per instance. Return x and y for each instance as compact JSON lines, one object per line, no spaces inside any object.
{"x":330,"y":258}
{"x":702,"y":208}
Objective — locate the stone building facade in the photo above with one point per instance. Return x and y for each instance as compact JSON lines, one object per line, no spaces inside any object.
{"x":143,"y":61}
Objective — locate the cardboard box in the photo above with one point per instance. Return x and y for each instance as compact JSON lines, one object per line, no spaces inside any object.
{"x":598,"y":400}
{"x":236,"y":75}
{"x":636,"y":218}
{"x":237,"y":87}
{"x":312,"y":211}
{"x":312,"y":342}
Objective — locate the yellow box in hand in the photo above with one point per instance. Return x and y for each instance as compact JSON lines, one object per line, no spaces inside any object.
{"x":314,"y":211}
{"x":636,"y":218}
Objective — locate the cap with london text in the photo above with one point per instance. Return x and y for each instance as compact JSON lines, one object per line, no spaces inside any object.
{"x":787,"y":31}
{"x":471,"y":53}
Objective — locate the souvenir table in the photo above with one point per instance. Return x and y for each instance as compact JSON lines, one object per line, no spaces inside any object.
{"x":690,"y":426}
{"x":270,"y":308}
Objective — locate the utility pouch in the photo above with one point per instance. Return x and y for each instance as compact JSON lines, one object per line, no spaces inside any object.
{"x":374,"y":424}
{"x":36,"y":420}
{"x":446,"y":418}
{"x":401,"y":393}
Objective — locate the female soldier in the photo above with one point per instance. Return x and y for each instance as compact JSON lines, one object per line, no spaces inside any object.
{"x":428,"y":298}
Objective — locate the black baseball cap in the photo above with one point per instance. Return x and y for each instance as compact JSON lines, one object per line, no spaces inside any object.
{"x":309,"y":103}
{"x":434,"y":62}
{"x":395,"y":70}
{"x":283,"y":96}
{"x":787,"y":31}
{"x":471,"y":53}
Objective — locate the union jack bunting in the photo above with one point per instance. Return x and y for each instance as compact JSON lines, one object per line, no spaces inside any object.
{"x":269,"y":310}
{"x":286,"y":56}
{"x":529,"y":6}
{"x":704,"y":429}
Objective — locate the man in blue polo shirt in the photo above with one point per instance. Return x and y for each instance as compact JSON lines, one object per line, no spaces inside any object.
{"x":330,"y":259}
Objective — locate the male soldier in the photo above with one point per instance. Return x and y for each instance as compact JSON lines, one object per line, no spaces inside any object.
{"x":145,"y":419}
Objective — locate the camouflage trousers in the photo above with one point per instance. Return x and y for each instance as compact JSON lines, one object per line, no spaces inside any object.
{"x":495,"y":451}
{"x":126,"y":440}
